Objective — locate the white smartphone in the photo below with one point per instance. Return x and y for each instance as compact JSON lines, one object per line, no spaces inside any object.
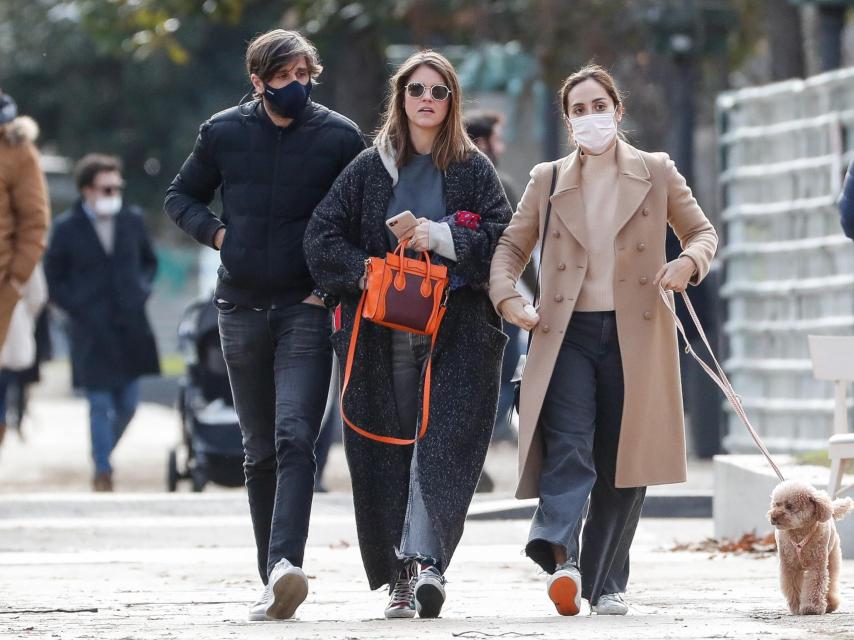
{"x":401,"y":224}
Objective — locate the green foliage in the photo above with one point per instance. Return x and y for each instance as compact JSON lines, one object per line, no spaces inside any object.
{"x":93,"y":83}
{"x":817,"y":458}
{"x":145,"y":27}
{"x":137,"y":77}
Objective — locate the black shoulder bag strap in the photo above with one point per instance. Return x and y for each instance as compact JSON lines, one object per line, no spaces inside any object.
{"x":543,"y":246}
{"x":517,"y":376}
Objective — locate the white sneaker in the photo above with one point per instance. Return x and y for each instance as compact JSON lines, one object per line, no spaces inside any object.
{"x":429,"y":593}
{"x":289,"y":587}
{"x":611,"y":604}
{"x":258,"y":611}
{"x":564,"y":588}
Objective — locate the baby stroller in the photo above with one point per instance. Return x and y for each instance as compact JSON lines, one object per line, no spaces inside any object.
{"x":211,"y":448}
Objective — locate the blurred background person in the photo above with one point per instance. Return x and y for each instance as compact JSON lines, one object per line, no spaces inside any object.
{"x":846,"y":205}
{"x":16,"y":384}
{"x":19,"y":352}
{"x":486,"y":129}
{"x":100,"y":267}
{"x":24,"y":208}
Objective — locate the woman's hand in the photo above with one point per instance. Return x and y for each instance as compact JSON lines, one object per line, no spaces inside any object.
{"x":676,"y":274}
{"x":516,"y":311}
{"x":419,"y":237}
{"x":218,"y":238}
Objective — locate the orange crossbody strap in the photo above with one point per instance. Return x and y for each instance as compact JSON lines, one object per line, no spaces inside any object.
{"x":351,"y":352}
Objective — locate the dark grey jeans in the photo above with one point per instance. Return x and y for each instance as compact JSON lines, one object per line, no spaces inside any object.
{"x":409,"y":361}
{"x":279,"y":365}
{"x":580,"y":426}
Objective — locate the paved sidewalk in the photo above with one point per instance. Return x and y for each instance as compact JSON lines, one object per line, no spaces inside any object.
{"x":181,"y":566}
{"x":144,"y":564}
{"x":55,"y":454}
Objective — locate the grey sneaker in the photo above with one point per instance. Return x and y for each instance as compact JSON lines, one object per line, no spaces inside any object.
{"x":429,"y":592}
{"x":401,"y":602}
{"x":611,"y":604}
{"x":289,"y":586}
{"x":258,"y":611}
{"x":564,"y":588}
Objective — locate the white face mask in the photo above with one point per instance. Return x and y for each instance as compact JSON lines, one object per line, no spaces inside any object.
{"x":595,"y":132}
{"x":107,"y":205}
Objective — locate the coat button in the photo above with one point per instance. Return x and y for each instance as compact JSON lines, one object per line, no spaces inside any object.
{"x":647,"y":315}
{"x":561,"y":267}
{"x":643,"y":280}
{"x":645,"y":212}
{"x":545,"y":328}
{"x":558,"y":298}
{"x":556,"y":234}
{"x":641,"y":246}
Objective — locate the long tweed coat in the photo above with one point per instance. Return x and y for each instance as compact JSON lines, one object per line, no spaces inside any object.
{"x":651,"y":194}
{"x":349,"y":226}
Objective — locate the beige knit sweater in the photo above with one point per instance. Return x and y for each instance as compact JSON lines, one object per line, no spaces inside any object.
{"x":599,"y":193}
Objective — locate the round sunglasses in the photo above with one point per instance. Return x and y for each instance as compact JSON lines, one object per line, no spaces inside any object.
{"x":438,"y":92}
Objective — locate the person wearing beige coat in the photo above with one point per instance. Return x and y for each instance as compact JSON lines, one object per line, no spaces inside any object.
{"x":601,"y":403}
{"x":24,"y":207}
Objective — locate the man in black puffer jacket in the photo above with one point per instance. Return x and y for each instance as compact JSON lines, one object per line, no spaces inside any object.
{"x":273,"y":159}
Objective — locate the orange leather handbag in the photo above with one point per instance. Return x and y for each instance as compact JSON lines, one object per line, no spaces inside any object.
{"x":408,"y":295}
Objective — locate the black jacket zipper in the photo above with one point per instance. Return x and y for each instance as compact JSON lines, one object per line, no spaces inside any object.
{"x":273,"y":200}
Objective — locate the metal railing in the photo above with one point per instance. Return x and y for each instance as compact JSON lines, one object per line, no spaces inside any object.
{"x":789,"y":270}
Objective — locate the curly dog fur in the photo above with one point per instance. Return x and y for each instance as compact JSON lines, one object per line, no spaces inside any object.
{"x":808,"y":546}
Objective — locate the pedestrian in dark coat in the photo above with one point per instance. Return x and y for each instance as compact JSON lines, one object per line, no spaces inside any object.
{"x":100,"y":267}
{"x":846,"y":205}
{"x":394,"y":491}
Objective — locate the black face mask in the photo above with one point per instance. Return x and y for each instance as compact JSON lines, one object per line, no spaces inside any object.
{"x":288,"y":101}
{"x":8,"y":109}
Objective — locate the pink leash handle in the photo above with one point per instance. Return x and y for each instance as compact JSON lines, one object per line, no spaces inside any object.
{"x":718,"y":377}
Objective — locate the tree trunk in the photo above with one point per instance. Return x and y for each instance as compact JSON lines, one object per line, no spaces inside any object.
{"x":831,"y":21}
{"x":785,"y":40}
{"x":357,"y":79}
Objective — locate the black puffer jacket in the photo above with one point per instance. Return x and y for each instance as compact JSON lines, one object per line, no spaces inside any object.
{"x":270,"y":180}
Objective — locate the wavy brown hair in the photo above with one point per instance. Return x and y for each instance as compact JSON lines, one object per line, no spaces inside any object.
{"x":452,"y":144}
{"x":271,"y":51}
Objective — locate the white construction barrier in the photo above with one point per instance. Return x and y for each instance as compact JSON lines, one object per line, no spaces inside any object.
{"x":789,"y":270}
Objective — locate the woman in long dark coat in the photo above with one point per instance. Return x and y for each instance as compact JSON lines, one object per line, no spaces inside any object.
{"x":411,"y":507}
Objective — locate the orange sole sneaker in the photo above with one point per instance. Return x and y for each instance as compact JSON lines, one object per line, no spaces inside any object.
{"x":563,"y":591}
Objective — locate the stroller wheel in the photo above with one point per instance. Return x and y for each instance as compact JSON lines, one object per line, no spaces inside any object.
{"x":172,"y":472}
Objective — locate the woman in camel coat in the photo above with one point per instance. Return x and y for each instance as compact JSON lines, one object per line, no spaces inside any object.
{"x":601,"y":403}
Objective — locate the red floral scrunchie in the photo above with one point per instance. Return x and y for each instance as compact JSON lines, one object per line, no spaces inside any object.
{"x":467,"y":219}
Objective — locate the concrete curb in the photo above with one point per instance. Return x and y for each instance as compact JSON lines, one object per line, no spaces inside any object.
{"x":659,"y":504}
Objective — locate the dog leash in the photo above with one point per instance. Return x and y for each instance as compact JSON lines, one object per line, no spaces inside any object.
{"x":718,"y":377}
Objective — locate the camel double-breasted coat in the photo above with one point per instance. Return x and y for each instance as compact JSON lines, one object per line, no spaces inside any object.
{"x":651,"y":195}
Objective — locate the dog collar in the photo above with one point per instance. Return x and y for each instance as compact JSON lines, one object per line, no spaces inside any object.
{"x":799,"y":546}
